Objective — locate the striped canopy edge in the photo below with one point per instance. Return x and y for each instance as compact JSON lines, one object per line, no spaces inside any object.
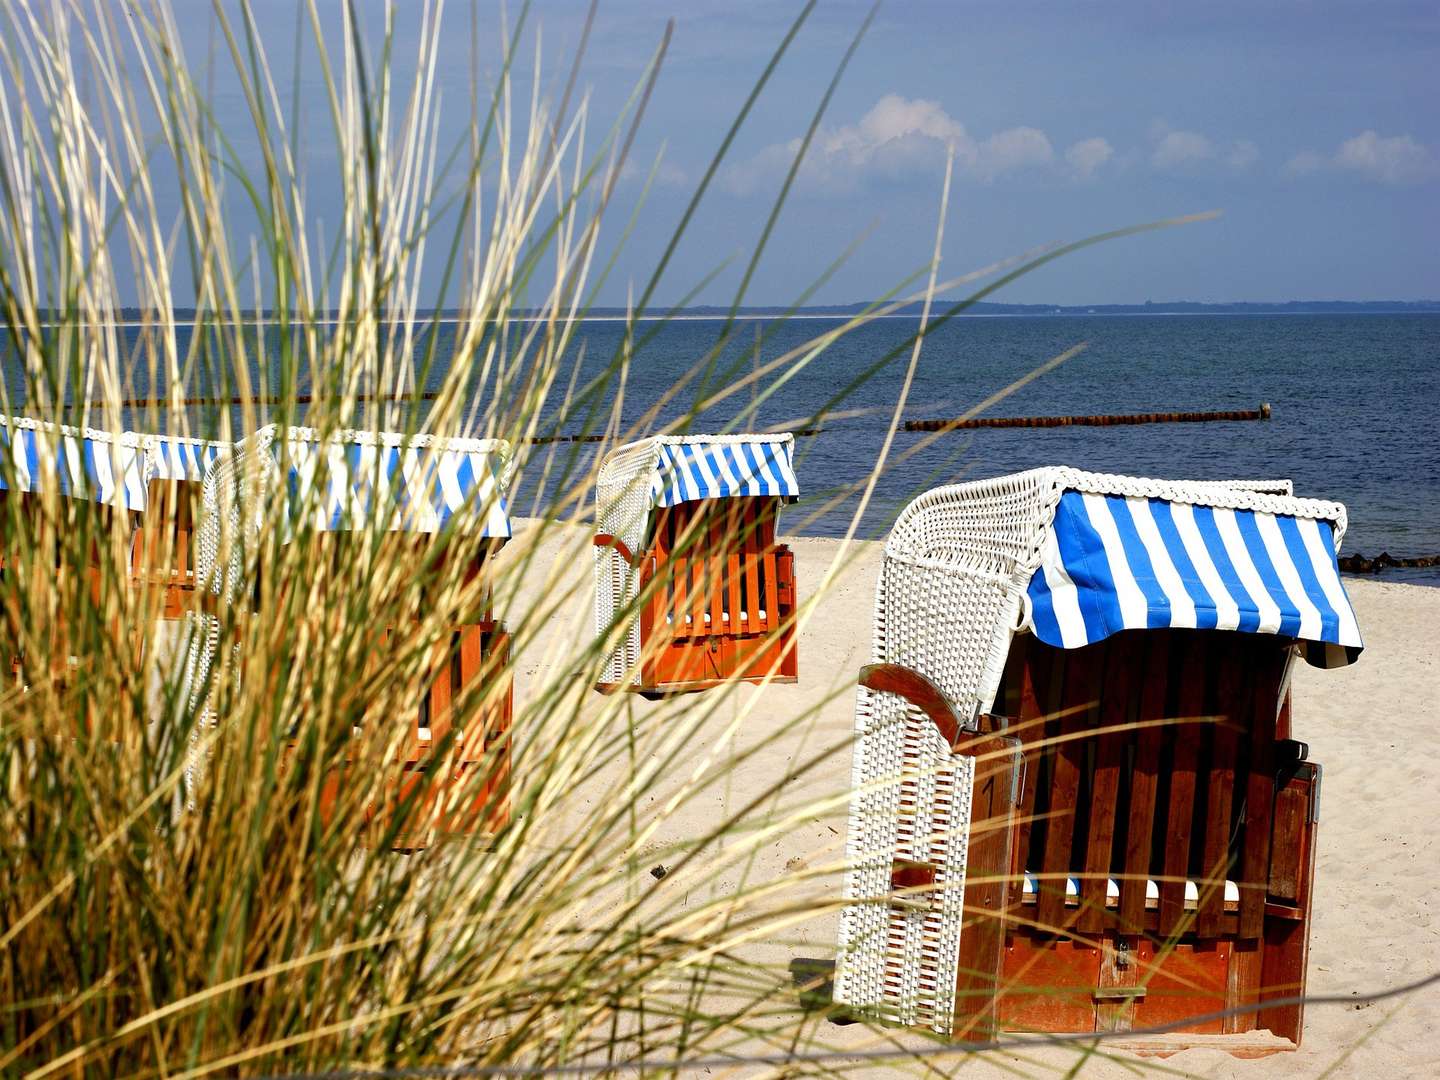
{"x":80,"y":463}
{"x":175,"y":457}
{"x":1208,"y":557}
{"x":691,"y":468}
{"x":413,"y":483}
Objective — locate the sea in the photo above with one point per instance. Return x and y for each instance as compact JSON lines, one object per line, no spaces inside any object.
{"x":1354,"y":405}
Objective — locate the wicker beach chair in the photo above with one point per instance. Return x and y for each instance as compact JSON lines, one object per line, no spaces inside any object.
{"x":1078,"y":803}
{"x":687,"y":564}
{"x":93,"y":476}
{"x":321,"y":490}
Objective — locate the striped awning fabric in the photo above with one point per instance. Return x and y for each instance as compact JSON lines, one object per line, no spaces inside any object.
{"x":170,"y":457}
{"x":1111,"y":562}
{"x":688,"y":469}
{"x":77,"y":463}
{"x":412,"y":486}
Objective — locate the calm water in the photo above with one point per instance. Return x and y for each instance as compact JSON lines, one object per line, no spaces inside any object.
{"x":1355,"y":401}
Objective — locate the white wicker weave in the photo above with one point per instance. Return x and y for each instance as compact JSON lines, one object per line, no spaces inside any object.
{"x":950,"y":598}
{"x":624,"y":499}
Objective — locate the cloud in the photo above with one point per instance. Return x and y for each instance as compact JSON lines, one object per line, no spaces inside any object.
{"x":1087,"y":156}
{"x":666,"y":174}
{"x":897,"y":138}
{"x":1399,"y":159}
{"x":1392,"y":159}
{"x":1176,"y":150}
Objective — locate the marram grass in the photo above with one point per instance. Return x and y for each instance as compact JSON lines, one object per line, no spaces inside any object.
{"x":175,"y":897}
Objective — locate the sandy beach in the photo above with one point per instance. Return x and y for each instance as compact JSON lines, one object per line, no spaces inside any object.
{"x":1370,"y":725}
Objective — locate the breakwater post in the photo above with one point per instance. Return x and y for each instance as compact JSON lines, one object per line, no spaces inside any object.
{"x":1100,"y":420}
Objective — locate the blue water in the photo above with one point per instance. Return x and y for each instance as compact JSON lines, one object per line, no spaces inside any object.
{"x":1355,"y":401}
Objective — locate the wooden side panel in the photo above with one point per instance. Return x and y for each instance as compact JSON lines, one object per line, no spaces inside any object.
{"x":987,"y":884}
{"x":1287,"y":929}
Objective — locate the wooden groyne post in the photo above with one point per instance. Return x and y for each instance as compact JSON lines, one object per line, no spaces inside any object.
{"x":1099,"y":420}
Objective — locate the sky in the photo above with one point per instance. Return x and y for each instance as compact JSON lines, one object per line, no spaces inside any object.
{"x":1312,"y":126}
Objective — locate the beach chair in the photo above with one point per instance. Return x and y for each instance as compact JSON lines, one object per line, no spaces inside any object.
{"x":1079,"y":802}
{"x":89,"y":472}
{"x":686,"y":532}
{"x":322,"y":490}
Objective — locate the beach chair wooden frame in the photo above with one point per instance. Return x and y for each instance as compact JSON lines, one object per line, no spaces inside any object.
{"x":1129,"y":823}
{"x":687,"y":562}
{"x":163,"y":552}
{"x":470,"y":669}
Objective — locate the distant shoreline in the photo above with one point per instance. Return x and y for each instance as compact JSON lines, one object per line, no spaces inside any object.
{"x":825,"y":316}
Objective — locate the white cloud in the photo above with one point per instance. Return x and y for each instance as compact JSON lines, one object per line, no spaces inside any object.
{"x":1087,"y":156}
{"x":898,"y":137}
{"x":1187,"y":150}
{"x":1179,"y":148}
{"x":1384,"y":159}
{"x":1399,"y":159}
{"x":666,"y":174}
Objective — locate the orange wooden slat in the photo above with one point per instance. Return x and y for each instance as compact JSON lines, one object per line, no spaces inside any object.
{"x":1144,"y":780}
{"x":1188,"y":738}
{"x":732,"y":581}
{"x":772,"y":602}
{"x":751,"y":624}
{"x":1122,"y":663}
{"x":1082,"y":682}
{"x":1259,"y":799}
{"x":699,"y":598}
{"x":680,"y":584}
{"x":1231,"y":690}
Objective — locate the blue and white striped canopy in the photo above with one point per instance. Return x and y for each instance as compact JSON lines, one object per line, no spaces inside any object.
{"x":170,"y":457}
{"x":1111,"y":562}
{"x":688,"y":471}
{"x":339,"y":485}
{"x":79,"y":464}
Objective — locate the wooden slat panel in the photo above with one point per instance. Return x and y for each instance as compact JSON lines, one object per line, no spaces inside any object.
{"x":1082,"y":680}
{"x":471,"y":662}
{"x":1259,"y":799}
{"x":1180,"y":812}
{"x":1122,"y":663}
{"x":1292,"y":805}
{"x":732,"y":582}
{"x":1140,"y":828}
{"x":1287,"y":941}
{"x":1236,"y":659}
{"x":987,"y":886}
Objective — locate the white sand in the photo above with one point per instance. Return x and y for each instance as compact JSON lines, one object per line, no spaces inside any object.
{"x":1372,"y":726}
